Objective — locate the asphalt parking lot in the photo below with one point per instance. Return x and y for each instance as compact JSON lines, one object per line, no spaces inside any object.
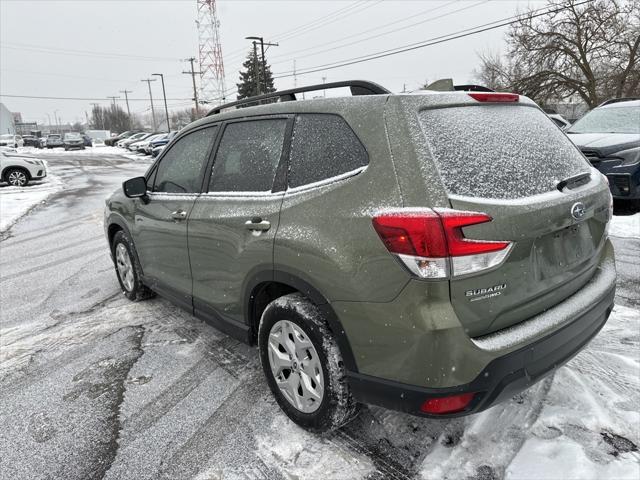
{"x":94,"y":386}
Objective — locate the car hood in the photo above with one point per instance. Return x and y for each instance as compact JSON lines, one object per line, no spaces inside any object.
{"x":605,"y":143}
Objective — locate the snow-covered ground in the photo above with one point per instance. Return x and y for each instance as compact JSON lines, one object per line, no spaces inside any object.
{"x":16,"y":201}
{"x":95,"y":386}
{"x":626,"y":226}
{"x":87,"y":152}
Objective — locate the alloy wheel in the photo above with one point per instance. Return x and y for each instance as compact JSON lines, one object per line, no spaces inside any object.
{"x":296,"y":366}
{"x":125,"y":268}
{"x":17,"y":178}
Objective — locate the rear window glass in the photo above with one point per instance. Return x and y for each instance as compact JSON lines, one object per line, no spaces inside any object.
{"x":499,"y":151}
{"x":248,"y":156}
{"x":323,"y":146}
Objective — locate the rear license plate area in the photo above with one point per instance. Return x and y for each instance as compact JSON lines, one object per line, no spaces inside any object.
{"x":562,"y":250}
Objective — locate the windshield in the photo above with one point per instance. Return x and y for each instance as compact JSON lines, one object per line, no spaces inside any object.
{"x":6,"y":137}
{"x":609,"y":120}
{"x":72,"y":136}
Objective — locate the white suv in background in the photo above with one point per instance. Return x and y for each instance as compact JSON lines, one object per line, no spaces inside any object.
{"x":10,"y":140}
{"x":19,"y":170}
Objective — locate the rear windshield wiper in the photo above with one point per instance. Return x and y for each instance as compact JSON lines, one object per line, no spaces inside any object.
{"x":574,"y":182}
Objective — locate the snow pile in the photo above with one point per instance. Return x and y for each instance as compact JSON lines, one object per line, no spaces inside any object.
{"x":627,"y":226}
{"x":88,"y":151}
{"x":17,"y":201}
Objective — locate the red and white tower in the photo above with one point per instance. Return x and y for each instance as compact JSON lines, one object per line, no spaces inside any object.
{"x":210,"y":53}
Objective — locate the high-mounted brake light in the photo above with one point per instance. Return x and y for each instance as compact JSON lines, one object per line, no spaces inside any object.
{"x":450,"y":404}
{"x":431,"y":244}
{"x":495,"y":97}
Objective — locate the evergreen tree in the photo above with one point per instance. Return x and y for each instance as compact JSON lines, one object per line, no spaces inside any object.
{"x":251,"y":79}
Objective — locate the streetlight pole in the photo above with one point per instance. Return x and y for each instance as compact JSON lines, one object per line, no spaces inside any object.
{"x":264,"y":62}
{"x":153,"y":113}
{"x":55,"y":116}
{"x":164,"y":94}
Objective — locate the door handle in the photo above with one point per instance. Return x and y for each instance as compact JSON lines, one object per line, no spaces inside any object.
{"x":257,"y":224}
{"x":179,"y":215}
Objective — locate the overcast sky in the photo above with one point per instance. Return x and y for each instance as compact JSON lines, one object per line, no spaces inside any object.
{"x":93,"y":49}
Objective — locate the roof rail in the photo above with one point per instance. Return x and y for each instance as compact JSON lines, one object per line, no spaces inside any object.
{"x":446,"y":85}
{"x":618,"y":100}
{"x":358,"y":87}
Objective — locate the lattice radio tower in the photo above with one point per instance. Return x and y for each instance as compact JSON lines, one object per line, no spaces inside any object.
{"x":210,"y":53}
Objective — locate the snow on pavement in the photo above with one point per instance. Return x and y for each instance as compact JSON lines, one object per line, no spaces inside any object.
{"x":626,"y":226}
{"x":16,"y":201}
{"x":581,"y":423}
{"x":95,"y":386}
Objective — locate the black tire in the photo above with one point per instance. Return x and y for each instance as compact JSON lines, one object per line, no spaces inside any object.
{"x":16,"y":177}
{"x":337,"y":406}
{"x":137,"y":290}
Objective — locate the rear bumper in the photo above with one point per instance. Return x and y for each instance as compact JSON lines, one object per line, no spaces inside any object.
{"x":501,"y":379}
{"x":512,"y":369}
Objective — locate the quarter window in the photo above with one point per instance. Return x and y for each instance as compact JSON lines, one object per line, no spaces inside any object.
{"x":248,"y":156}
{"x":180,"y":168}
{"x":323,"y":146}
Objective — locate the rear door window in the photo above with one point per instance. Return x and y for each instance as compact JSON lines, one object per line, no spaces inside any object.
{"x":323,"y":146}
{"x":248,"y":156}
{"x":499,"y":151}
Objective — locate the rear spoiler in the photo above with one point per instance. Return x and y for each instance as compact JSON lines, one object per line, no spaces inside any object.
{"x":446,"y":85}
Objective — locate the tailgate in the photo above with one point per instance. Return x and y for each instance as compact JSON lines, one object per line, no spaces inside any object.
{"x":512,"y":163}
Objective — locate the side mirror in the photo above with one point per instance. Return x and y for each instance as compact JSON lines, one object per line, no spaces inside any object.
{"x":135,"y":187}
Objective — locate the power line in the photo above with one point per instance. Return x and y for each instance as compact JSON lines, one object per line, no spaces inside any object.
{"x":68,"y":51}
{"x":280,"y":35}
{"x":321,"y":22}
{"x":381,"y":34}
{"x":426,"y":43}
{"x":84,"y":99}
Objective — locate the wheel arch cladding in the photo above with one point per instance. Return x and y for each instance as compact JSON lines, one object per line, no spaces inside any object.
{"x":267,"y":286}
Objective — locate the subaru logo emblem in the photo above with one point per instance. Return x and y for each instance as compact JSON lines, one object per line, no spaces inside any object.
{"x":578,"y":210}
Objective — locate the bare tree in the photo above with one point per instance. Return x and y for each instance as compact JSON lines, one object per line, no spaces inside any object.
{"x":590,"y":50}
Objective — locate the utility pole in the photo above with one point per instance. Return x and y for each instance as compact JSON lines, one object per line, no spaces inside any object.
{"x":193,"y":74}
{"x":295,"y":77}
{"x":153,"y":113}
{"x":324,"y":92}
{"x":126,"y":99}
{"x":264,"y":63}
{"x":164,"y":94}
{"x":113,"y":102}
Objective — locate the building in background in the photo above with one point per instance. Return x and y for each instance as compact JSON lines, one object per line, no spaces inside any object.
{"x":7,"y":125}
{"x":17,"y":117}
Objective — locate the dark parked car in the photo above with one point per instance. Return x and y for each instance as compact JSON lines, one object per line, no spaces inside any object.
{"x":378,"y":249}
{"x":110,"y":142}
{"x":88,"y":142}
{"x":609,"y":136}
{"x":164,"y":140}
{"x":31,"y":141}
{"x":73,"y":140}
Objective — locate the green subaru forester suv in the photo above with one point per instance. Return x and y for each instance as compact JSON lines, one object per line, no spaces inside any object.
{"x":432,"y":253}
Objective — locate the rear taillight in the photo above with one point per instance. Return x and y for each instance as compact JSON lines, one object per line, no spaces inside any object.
{"x":495,"y":97}
{"x":430,"y":243}
{"x":450,"y":404}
